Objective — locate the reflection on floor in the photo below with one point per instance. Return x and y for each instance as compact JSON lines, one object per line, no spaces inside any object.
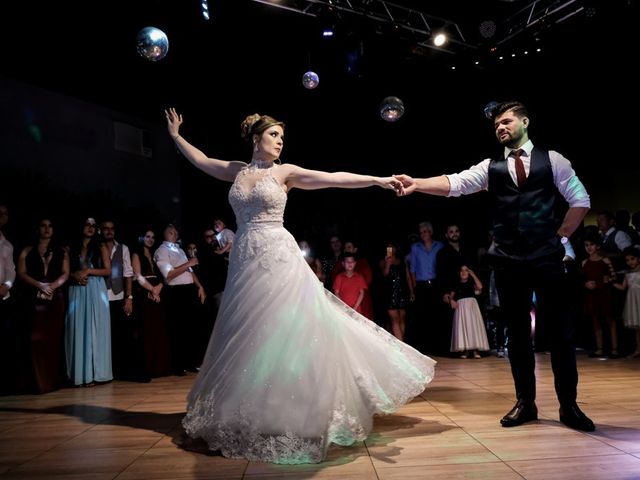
{"x":132,"y":431}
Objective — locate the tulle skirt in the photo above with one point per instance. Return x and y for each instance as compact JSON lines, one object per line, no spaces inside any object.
{"x":289,"y":368}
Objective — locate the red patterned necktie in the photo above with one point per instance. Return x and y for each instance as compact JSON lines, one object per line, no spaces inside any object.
{"x":520,"y":173}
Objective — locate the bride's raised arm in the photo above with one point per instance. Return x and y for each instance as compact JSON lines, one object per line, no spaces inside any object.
{"x":298,"y":177}
{"x":220,"y":169}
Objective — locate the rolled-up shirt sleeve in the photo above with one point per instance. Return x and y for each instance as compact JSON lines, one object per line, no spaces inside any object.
{"x":567,"y":182}
{"x":469,"y":181}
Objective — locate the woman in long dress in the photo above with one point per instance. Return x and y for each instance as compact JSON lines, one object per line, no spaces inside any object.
{"x":150,"y":310}
{"x":87,"y":335}
{"x":43,"y":267}
{"x":289,"y":368}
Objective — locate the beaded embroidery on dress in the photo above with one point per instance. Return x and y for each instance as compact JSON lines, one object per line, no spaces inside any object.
{"x":289,"y":368}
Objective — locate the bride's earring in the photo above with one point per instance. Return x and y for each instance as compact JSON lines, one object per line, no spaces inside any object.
{"x":255,"y":147}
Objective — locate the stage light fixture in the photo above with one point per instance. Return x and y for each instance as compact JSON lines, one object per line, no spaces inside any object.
{"x":204,"y":8}
{"x":439,"y":39}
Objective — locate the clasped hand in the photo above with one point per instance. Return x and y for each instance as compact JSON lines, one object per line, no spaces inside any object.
{"x":46,"y":288}
{"x":408,"y":184}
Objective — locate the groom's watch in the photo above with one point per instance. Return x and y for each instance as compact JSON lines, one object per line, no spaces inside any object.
{"x":563,"y":240}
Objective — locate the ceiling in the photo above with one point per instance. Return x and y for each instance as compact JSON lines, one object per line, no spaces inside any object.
{"x":87,"y":49}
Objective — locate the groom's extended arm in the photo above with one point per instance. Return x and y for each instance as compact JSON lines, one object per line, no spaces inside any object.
{"x":432,"y":185}
{"x":468,"y":181}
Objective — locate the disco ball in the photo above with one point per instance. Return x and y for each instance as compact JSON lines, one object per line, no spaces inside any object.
{"x":489,"y":108}
{"x":487,"y":28}
{"x":391,"y":109}
{"x":310,"y":80}
{"x":152,"y":43}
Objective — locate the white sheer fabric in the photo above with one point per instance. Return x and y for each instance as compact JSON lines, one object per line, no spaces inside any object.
{"x":290,"y":369}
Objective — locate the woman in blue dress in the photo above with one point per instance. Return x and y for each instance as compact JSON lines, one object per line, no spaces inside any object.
{"x":87,"y":323}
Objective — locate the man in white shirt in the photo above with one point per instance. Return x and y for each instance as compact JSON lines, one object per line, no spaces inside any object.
{"x":184,"y":297}
{"x":523,"y":184}
{"x":125,"y":349}
{"x":7,"y":326}
{"x":614,"y":240}
{"x":7,"y":265}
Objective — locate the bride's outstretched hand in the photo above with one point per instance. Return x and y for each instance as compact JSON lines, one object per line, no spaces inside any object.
{"x":408,"y":183}
{"x":174,"y":120}
{"x":394,"y":184}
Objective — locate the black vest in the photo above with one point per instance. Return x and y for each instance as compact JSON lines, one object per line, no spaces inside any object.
{"x":525,"y":220}
{"x":115,"y":281}
{"x":609,"y":244}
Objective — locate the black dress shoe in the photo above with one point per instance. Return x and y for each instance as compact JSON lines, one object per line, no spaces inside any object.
{"x":520,"y":413}
{"x":575,"y":418}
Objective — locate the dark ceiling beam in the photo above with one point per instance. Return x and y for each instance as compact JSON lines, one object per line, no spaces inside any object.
{"x":418,"y":23}
{"x":538,"y":14}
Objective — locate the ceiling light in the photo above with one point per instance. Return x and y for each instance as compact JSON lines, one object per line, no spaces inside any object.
{"x":439,"y":39}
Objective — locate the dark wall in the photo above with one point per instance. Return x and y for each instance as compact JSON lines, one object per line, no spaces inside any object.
{"x":59,"y":158}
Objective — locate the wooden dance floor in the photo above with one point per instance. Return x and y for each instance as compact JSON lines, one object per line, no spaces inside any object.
{"x":132,"y":431}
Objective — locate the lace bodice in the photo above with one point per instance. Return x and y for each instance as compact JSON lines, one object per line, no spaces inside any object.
{"x":256,"y":196}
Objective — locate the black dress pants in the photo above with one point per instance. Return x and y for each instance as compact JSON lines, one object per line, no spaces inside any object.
{"x":516,"y":280}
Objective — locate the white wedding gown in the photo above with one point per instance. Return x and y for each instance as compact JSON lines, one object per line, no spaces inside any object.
{"x":289,"y":368}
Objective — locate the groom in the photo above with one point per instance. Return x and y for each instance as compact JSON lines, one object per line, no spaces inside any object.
{"x":523,"y":184}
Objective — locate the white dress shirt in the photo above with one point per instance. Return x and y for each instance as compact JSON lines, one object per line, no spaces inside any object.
{"x":476,"y":178}
{"x":7,"y":266}
{"x":127,"y":269}
{"x":169,"y":256}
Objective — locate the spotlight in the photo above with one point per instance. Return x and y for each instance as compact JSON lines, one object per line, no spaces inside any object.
{"x":440,"y":39}
{"x":204,"y":7}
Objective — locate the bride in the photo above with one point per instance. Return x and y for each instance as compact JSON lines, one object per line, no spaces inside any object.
{"x":289,"y":368}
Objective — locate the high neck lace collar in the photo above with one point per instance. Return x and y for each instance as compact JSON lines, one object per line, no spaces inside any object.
{"x":260,"y":164}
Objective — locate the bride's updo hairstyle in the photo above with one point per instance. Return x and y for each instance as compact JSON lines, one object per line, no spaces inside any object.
{"x":256,"y":124}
